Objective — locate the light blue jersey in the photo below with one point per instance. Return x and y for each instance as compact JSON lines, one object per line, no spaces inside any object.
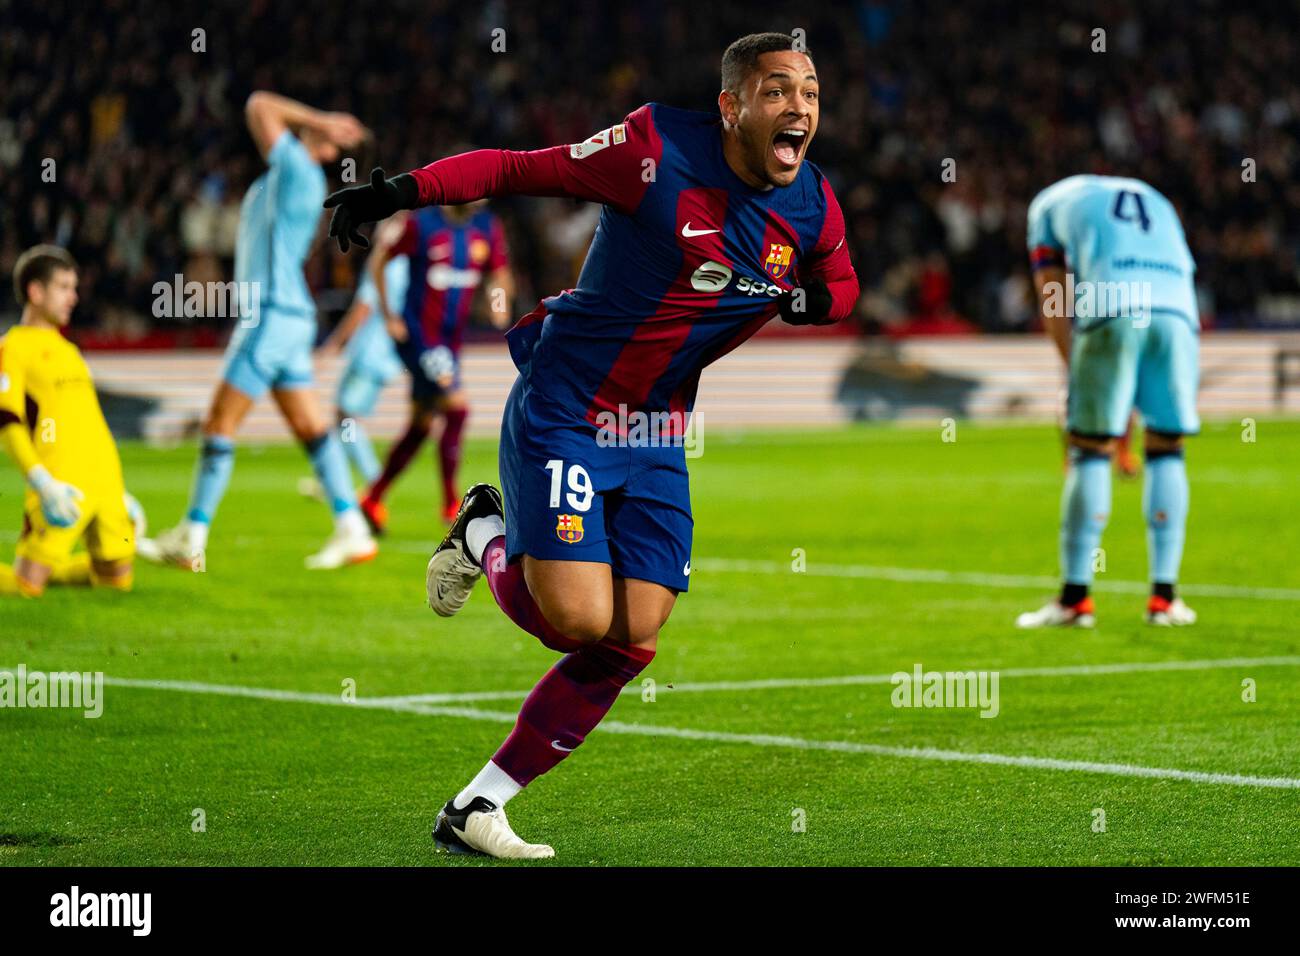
{"x":271,"y":346}
{"x":1114,"y":235}
{"x":277,"y":225}
{"x":1130,"y":282}
{"x":372,"y":360}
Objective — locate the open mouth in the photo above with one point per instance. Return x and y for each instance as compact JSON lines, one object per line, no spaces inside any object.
{"x":788,"y":146}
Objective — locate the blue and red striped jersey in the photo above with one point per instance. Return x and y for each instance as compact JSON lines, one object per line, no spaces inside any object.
{"x":685,"y":264}
{"x":448,"y":259}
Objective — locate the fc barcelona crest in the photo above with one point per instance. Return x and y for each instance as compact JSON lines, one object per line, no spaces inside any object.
{"x":568,"y":528}
{"x":778,"y":260}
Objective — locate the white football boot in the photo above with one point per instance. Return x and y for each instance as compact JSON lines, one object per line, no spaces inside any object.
{"x":347,"y":545}
{"x":482,"y":827}
{"x":1057,"y":614}
{"x":179,"y":546}
{"x":452,"y":571}
{"x":1162,"y":613}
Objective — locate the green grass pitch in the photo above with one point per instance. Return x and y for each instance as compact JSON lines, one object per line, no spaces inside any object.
{"x":804,"y":770}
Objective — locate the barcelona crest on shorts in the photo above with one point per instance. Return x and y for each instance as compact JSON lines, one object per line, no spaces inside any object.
{"x":568,"y":528}
{"x":778,"y":260}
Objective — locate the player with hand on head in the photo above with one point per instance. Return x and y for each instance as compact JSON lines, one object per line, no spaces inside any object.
{"x":712,"y":226}
{"x":271,"y":349}
{"x":53,"y":428}
{"x":1129,"y":338}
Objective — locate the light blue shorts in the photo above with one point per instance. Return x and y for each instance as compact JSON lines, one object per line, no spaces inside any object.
{"x":360,"y":387}
{"x":274,"y":353}
{"x":1122,"y":363}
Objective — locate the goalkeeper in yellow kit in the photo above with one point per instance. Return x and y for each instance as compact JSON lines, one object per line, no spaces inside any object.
{"x":51,"y":425}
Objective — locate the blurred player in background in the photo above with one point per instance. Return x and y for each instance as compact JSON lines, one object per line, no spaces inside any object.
{"x":271,"y":350}
{"x":449,"y":250}
{"x":1133,"y":342}
{"x":711,"y":227}
{"x":53,"y":428}
{"x":372,"y":362}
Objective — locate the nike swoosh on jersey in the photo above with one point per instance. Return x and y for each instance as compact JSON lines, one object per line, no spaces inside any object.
{"x":688,"y":232}
{"x":556,"y":744}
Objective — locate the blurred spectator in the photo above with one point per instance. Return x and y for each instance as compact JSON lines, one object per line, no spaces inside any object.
{"x":150,"y":155}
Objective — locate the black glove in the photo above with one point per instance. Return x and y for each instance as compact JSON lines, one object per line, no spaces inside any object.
{"x":809,"y":304}
{"x":376,"y":200}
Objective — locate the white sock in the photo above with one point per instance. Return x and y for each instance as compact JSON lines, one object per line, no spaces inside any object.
{"x":352,"y":523}
{"x":492,"y":782}
{"x":479,"y":534}
{"x":198,"y":532}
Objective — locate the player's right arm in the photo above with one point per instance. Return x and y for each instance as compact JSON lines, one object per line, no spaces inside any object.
{"x":615,"y":167}
{"x":58,"y":499}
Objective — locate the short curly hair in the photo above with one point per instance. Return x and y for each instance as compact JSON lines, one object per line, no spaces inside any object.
{"x":741,"y":58}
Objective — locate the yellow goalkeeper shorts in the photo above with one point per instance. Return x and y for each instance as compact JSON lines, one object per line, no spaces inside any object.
{"x":104,"y":525}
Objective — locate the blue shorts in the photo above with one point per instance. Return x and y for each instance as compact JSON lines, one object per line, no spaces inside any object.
{"x":1121,"y":363}
{"x":275,"y":352}
{"x":569,"y":497}
{"x":428,"y":368}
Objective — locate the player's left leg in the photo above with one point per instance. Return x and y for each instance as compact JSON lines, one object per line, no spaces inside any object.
{"x":1103,"y":376}
{"x":351,"y":542}
{"x":1167,"y":383}
{"x":558,"y":714}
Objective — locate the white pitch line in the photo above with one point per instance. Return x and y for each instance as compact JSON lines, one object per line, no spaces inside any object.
{"x":980,"y":579}
{"x":850,"y":680}
{"x":718,"y":736}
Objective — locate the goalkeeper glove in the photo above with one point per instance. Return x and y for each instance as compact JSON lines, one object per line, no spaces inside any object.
{"x":376,"y":200}
{"x":58,"y":498}
{"x":809,"y":304}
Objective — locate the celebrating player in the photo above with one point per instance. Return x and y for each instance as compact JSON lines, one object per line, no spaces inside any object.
{"x":271,"y":347}
{"x":51,"y":425}
{"x":449,"y":248}
{"x":1134,"y":342}
{"x":372,"y":362}
{"x":709,"y":229}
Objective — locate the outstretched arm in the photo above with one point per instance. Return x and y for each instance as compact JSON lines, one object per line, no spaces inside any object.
{"x":614,"y":167}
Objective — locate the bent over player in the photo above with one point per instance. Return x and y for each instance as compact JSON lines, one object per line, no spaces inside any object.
{"x":1134,"y":342}
{"x":711,"y":226}
{"x":53,"y":428}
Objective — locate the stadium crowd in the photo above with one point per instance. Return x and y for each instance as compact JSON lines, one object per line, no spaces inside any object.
{"x":122,"y":135}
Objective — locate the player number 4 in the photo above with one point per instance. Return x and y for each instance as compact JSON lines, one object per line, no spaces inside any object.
{"x":1125,"y":198}
{"x":580,"y":490}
